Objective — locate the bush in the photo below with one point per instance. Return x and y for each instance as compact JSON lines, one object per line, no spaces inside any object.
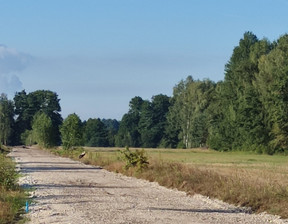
{"x":136,"y":159}
{"x":8,"y":175}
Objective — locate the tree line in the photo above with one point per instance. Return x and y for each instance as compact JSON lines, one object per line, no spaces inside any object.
{"x":35,"y":118}
{"x":248,"y":110}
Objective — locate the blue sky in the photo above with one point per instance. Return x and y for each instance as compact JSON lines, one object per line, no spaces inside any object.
{"x":98,"y":54}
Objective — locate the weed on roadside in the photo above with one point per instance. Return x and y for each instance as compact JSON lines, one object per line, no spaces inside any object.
{"x":136,"y":159}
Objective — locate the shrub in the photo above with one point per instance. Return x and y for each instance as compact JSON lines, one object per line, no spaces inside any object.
{"x":136,"y":159}
{"x":8,"y":175}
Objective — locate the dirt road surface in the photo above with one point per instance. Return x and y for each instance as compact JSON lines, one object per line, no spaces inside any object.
{"x":68,"y":191}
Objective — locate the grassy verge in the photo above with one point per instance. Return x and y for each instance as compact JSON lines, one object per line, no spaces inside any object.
{"x":244,"y":179}
{"x":12,"y":198}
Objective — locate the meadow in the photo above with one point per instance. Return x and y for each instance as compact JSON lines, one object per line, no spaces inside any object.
{"x":241,"y":178}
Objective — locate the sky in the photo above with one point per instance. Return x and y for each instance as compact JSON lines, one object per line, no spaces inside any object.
{"x":99,"y":54}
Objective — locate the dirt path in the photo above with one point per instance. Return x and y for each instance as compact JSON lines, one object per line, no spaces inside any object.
{"x":67,"y":191}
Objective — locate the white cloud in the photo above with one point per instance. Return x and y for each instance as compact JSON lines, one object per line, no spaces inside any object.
{"x":10,"y":84}
{"x":11,"y":63}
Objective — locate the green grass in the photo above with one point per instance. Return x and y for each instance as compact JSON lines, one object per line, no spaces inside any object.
{"x":241,"y":178}
{"x":206,"y":157}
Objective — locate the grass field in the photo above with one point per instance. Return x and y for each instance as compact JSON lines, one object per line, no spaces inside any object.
{"x":241,"y":178}
{"x":253,"y":166}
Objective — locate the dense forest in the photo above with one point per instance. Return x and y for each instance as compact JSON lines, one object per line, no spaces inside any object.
{"x":248,"y":110}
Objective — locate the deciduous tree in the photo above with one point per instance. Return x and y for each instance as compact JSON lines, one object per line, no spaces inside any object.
{"x":95,"y":133}
{"x":42,"y":129}
{"x":71,"y":131}
{"x":6,"y":119}
{"x":27,"y":105}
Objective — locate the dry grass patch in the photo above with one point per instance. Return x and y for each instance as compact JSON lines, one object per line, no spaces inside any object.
{"x":6,"y":215}
{"x":236,"y":190}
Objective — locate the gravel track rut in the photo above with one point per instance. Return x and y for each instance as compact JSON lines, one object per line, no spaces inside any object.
{"x":67,"y":191}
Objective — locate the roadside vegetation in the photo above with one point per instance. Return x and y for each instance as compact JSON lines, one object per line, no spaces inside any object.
{"x":241,"y":178}
{"x":12,"y":197}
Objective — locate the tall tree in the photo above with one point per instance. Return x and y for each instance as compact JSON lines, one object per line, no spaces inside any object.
{"x":160,"y":106}
{"x":191,"y":100}
{"x":95,"y":133}
{"x":182,"y":110}
{"x":71,"y":131}
{"x":128,"y":134}
{"x":112,"y":126}
{"x":272,"y":85}
{"x":153,"y":120}
{"x":6,"y":119}
{"x":42,"y":129}
{"x":146,"y":126}
{"x":23,"y":117}
{"x":241,"y":112}
{"x":27,"y":105}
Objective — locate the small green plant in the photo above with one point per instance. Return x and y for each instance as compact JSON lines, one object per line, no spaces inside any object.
{"x":136,"y":159}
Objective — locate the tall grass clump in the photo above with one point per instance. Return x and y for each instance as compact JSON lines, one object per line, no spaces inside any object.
{"x":12,"y":198}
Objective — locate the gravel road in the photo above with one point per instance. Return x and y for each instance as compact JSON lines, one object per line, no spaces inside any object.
{"x":68,"y":191}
